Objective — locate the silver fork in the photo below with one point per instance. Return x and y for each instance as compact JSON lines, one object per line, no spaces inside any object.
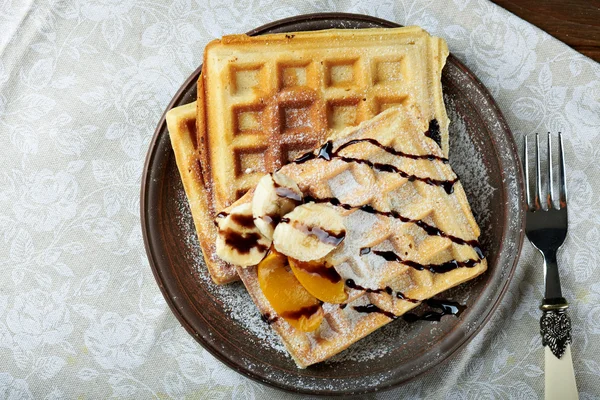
{"x":546,"y":229}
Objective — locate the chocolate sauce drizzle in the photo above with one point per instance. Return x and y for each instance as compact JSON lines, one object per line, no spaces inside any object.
{"x":268,"y":318}
{"x":429,"y":229}
{"x":303,"y":312}
{"x":353,"y":285}
{"x":326,"y":152}
{"x":242,"y":242}
{"x":325,"y":236}
{"x":271,"y":219}
{"x":393,"y":151}
{"x":287,"y":193}
{"x":447,"y":307}
{"x":371,"y":308}
{"x":319,"y":269}
{"x":448,"y":185}
{"x":434,"y":268}
{"x":434,"y":132}
{"x":247,"y":221}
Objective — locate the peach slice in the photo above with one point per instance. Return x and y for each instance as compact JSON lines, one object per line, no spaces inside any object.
{"x":286,"y":294}
{"x":320,"y":280}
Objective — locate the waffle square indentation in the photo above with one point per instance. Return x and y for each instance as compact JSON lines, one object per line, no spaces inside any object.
{"x":247,"y":79}
{"x":290,"y":76}
{"x":341,"y":73}
{"x":248,"y":119}
{"x":294,"y":117}
{"x":247,"y":159}
{"x":383,"y":103}
{"x":389,"y":70}
{"x":342,"y":113}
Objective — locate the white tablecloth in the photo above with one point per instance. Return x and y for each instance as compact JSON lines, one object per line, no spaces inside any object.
{"x":82,"y":85}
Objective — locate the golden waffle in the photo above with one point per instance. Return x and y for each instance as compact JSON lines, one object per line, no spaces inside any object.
{"x":417,"y":220}
{"x":264,"y":100}
{"x":181,"y":122}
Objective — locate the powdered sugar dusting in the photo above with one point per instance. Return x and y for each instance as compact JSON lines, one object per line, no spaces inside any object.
{"x":233,"y":297}
{"x":467,"y":162}
{"x":377,"y":345}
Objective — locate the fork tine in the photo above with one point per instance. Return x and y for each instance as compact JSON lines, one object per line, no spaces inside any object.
{"x":550,"y":175}
{"x":562,"y":186}
{"x":526,"y":170}
{"x":538,"y":176}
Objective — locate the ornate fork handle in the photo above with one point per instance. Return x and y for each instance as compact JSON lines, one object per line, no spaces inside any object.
{"x":555,"y":325}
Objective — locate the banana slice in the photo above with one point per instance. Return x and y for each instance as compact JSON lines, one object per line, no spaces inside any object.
{"x":239,"y":241}
{"x":274,"y":196}
{"x":309,"y":232}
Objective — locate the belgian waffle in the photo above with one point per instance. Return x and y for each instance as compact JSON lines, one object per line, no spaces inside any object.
{"x":264,"y":100}
{"x":181,"y":122}
{"x":410,"y":233}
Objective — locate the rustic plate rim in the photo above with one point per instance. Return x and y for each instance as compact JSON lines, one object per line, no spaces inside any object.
{"x":176,"y":309}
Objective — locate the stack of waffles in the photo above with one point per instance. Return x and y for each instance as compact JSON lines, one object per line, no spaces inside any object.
{"x":363,"y":110}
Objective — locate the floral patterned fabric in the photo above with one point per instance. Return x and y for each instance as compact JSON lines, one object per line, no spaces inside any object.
{"x":82,"y":85}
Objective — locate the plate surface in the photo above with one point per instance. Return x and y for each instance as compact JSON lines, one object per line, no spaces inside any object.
{"x":227,"y":324}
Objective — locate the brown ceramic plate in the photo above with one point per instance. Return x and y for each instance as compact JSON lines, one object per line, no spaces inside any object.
{"x":226,"y":322}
